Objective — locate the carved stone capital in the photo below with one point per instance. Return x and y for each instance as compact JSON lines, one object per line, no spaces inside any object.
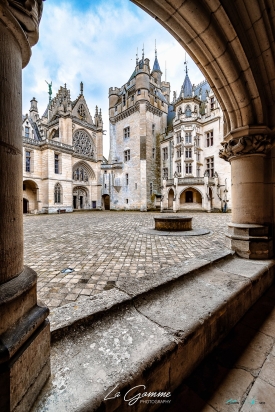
{"x":246,"y":145}
{"x":22,"y":17}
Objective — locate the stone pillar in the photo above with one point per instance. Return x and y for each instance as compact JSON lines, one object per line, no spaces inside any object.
{"x":24,"y":330}
{"x":249,"y":233}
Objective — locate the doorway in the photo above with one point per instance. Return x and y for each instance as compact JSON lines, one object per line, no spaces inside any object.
{"x":189,"y":196}
{"x":25,"y":205}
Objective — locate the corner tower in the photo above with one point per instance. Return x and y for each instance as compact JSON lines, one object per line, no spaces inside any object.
{"x":138,"y":116}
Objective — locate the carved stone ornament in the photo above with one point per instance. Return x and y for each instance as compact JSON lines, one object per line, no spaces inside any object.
{"x":28,"y":14}
{"x":246,"y":145}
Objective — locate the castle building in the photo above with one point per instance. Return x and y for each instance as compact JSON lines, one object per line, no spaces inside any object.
{"x":62,"y":155}
{"x":193,"y":174}
{"x":164,"y":154}
{"x":138,"y":117}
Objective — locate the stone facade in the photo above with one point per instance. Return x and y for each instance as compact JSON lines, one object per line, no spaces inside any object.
{"x":193,"y":174}
{"x":62,"y":154}
{"x":164,"y":155}
{"x":138,"y":117}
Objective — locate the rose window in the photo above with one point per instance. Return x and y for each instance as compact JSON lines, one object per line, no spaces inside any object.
{"x":83,"y":144}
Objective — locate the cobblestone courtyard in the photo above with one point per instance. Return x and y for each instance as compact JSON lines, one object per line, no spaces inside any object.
{"x":102,"y":247}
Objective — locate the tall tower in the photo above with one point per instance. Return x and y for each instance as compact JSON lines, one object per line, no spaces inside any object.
{"x":138,"y":116}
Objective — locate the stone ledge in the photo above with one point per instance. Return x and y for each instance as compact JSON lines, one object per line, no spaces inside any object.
{"x":64,"y":318}
{"x":154,"y":338}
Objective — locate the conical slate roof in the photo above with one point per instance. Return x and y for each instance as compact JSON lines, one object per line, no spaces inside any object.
{"x":156,"y":67}
{"x":187,"y":86}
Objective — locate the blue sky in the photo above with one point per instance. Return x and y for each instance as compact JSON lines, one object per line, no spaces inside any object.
{"x":95,"y":41}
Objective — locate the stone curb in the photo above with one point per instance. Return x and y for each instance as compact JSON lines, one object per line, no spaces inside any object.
{"x":64,"y":318}
{"x":149,"y":335}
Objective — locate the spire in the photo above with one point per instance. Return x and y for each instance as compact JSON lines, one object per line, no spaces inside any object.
{"x":156,"y":67}
{"x":96,"y":111}
{"x":187,"y":86}
{"x":81,"y":88}
{"x":143,"y":52}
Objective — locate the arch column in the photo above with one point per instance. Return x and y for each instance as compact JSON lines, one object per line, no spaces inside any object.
{"x":24,"y":330}
{"x":249,"y":234}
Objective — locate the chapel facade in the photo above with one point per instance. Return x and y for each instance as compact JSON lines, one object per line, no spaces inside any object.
{"x":62,"y":154}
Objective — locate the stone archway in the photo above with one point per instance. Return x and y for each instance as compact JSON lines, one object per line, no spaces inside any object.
{"x":170,"y":198}
{"x":30,"y":193}
{"x":106,"y":202}
{"x":80,"y":198}
{"x":190,"y":197}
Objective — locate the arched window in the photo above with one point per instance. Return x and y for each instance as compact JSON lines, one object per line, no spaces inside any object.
{"x":188,"y":112}
{"x":58,"y":193}
{"x":83,"y":143}
{"x":80,"y":174}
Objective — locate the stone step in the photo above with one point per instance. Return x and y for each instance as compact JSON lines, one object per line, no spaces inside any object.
{"x":151,"y":333}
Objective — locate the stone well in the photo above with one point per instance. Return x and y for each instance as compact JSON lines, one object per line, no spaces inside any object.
{"x":173,"y":223}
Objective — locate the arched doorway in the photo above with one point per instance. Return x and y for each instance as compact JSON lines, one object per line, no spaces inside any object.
{"x":106,"y":202}
{"x":80,"y":198}
{"x":25,"y":205}
{"x":170,"y":199}
{"x":190,"y":197}
{"x":30,"y":196}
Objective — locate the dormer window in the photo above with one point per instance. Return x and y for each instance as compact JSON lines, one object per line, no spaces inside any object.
{"x":188,"y":112}
{"x":27,"y":131}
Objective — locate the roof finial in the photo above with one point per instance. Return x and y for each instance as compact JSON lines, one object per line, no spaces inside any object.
{"x":81,"y":87}
{"x":185,"y":62}
{"x":50,"y":90}
{"x":155,"y":48}
{"x":143,"y":52}
{"x":137,"y":57}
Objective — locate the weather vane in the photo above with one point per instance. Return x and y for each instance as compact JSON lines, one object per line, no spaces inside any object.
{"x":50,"y":89}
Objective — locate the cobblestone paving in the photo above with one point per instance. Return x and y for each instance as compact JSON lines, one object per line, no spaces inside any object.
{"x":102,"y":247}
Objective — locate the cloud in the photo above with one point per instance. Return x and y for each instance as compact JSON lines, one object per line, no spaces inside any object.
{"x":97,"y":44}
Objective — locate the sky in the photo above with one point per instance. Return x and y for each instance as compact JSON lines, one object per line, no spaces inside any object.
{"x":96,"y":41}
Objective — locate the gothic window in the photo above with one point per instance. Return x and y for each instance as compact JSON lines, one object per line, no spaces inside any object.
{"x":188,"y":112}
{"x":188,"y":153}
{"x":209,"y":139}
{"x":58,"y":193}
{"x":83,"y":144}
{"x":126,"y":132}
{"x":188,"y":168}
{"x":151,"y":188}
{"x":56,"y":163}
{"x":81,"y":111}
{"x":27,"y":131}
{"x":210,"y":166}
{"x":127,"y":179}
{"x":178,"y":153}
{"x":178,"y":167}
{"x":80,"y":175}
{"x":28,"y":161}
{"x":179,"y":111}
{"x":178,"y":135}
{"x":165,"y":153}
{"x":165,"y":173}
{"x":126,"y":155}
{"x":188,"y":137}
